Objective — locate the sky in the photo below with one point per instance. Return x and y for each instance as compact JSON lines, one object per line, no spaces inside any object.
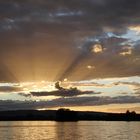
{"x":92,"y":45}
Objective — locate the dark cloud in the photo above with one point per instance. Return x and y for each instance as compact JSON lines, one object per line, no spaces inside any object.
{"x":127,"y":83}
{"x":88,"y":12}
{"x":54,"y":39}
{"x":105,"y":100}
{"x":64,"y":92}
{"x":65,"y":102}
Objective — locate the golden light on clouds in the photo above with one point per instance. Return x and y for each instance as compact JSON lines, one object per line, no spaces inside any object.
{"x":65,"y":80}
{"x":97,"y":48}
{"x":90,"y":67}
{"x":37,"y":86}
{"x":126,"y":51}
{"x":135,"y":28}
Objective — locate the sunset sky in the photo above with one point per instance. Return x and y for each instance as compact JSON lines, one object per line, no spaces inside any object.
{"x":93,"y":45}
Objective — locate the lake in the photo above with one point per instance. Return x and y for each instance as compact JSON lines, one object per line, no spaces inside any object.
{"x":81,"y":130}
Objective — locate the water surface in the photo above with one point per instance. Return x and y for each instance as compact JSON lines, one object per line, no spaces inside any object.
{"x":82,"y":130}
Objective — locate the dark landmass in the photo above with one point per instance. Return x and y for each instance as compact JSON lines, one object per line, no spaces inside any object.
{"x":66,"y":115}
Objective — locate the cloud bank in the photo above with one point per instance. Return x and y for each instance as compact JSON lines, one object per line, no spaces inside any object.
{"x":67,"y":102}
{"x":60,"y":39}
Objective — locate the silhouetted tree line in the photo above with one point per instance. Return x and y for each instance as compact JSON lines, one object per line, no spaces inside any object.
{"x":66,"y":115}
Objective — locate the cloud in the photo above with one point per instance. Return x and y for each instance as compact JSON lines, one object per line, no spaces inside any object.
{"x":65,"y":13}
{"x":72,"y":34}
{"x":67,"y":102}
{"x":63,"y":92}
{"x":84,"y":84}
{"x":135,"y":85}
{"x":125,"y":12}
{"x":126,"y":51}
{"x":66,"y":93}
{"x":135,"y":28}
{"x":127,"y":83}
{"x":9,"y":89}
{"x":89,"y":101}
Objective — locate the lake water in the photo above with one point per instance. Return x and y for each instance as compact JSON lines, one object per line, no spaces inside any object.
{"x":82,"y":130}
